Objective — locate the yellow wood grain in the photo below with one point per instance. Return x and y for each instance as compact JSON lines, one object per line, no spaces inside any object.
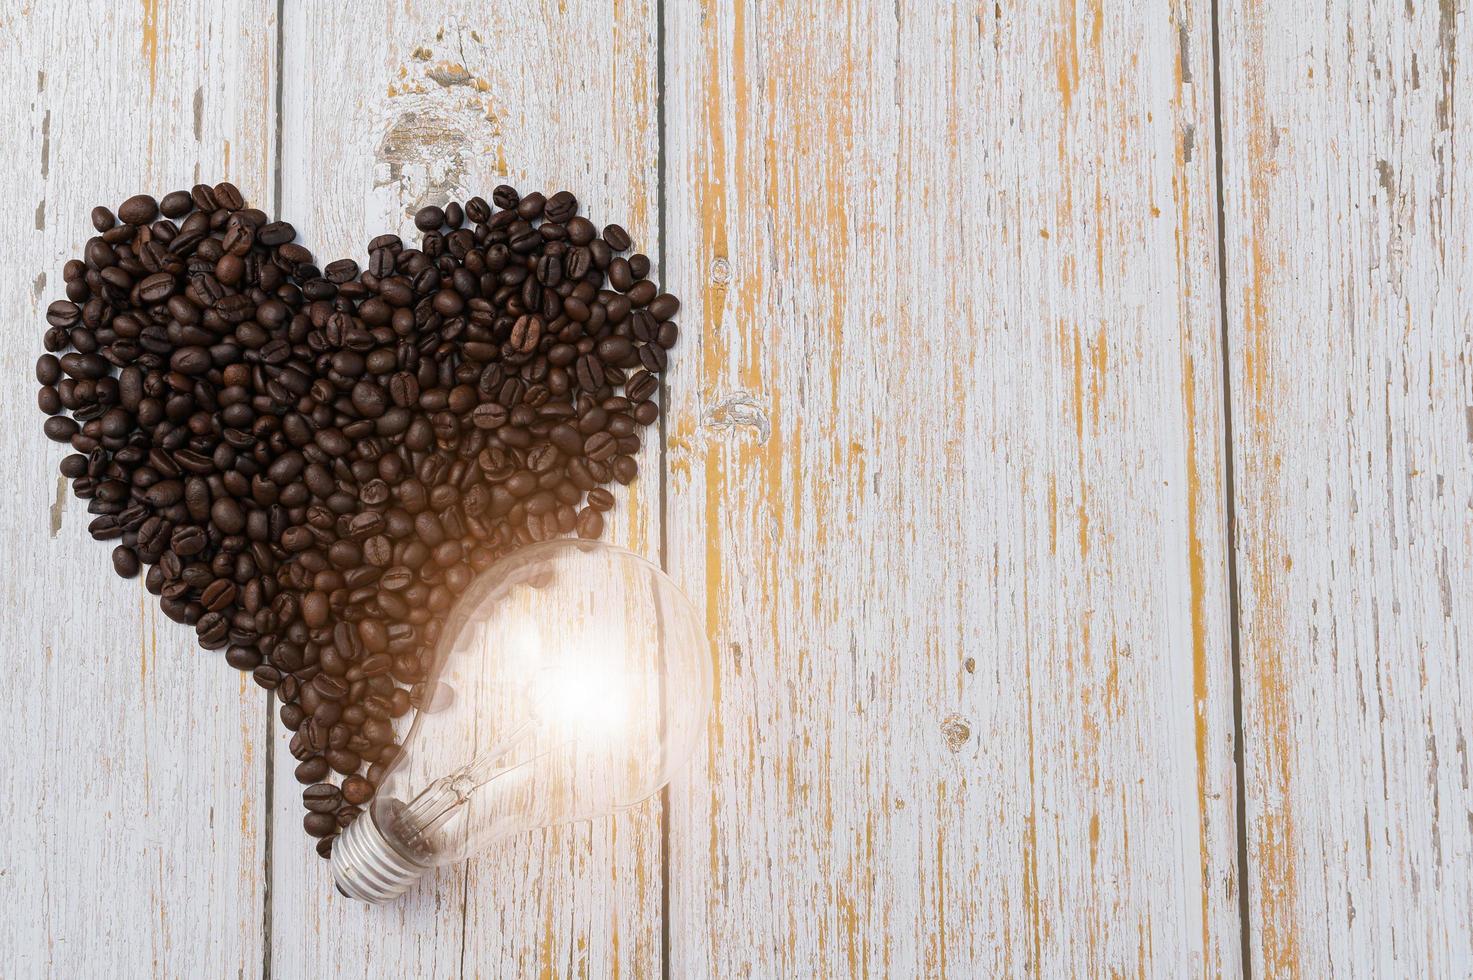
{"x":1348,"y":253}
{"x":945,"y":471}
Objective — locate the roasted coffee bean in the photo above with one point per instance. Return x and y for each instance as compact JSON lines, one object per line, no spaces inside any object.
{"x":228,"y":196}
{"x":316,"y":463}
{"x":590,"y":523}
{"x":187,"y":541}
{"x":343,"y":761}
{"x":322,"y":797}
{"x":138,"y":210}
{"x":125,"y":561}
{"x":489,"y":415}
{"x":311,"y":770}
{"x":526,"y":334}
{"x":357,"y":790}
{"x":599,"y":447}
{"x":320,"y":824}
{"x":617,"y":237}
{"x":176,"y":204}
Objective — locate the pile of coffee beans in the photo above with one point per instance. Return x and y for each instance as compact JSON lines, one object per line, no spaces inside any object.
{"x":313,"y":462}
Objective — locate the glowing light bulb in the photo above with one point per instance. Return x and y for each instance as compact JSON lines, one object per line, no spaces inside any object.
{"x":571,"y":681}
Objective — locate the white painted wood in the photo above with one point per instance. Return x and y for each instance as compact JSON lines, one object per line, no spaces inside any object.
{"x":945,"y":471}
{"x":958,"y":527}
{"x":131,"y":772}
{"x":1348,"y":254}
{"x":409,"y":104}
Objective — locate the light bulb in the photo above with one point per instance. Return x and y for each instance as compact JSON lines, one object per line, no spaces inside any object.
{"x":571,"y":681}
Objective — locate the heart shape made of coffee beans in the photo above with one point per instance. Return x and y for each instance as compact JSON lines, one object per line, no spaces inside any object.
{"x":312,"y":463}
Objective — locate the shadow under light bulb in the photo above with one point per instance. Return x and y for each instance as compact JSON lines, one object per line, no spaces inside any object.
{"x":571,"y":680}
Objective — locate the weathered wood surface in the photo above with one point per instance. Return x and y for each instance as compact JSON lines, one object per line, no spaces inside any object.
{"x":947,"y":468}
{"x":1349,"y":225}
{"x":132,"y":771}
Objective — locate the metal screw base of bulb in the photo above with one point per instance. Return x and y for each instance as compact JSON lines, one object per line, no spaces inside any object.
{"x":366,"y":866}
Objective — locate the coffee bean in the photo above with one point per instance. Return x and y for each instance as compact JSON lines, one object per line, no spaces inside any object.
{"x":59,"y":428}
{"x":320,"y":824}
{"x":314,"y":464}
{"x":322,"y":797}
{"x":642,"y":293}
{"x":530,"y":206}
{"x":311,"y":770}
{"x":138,"y":210}
{"x":48,"y":369}
{"x":489,"y":415}
{"x":176,"y":204}
{"x":526,"y":333}
{"x":620,"y":276}
{"x":505,"y":196}
{"x":243,"y":658}
{"x":228,"y":196}
{"x":617,"y":237}
{"x":125,"y":561}
{"x":357,"y":790}
{"x":599,"y":446}
{"x":187,"y":541}
{"x":663,"y":306}
{"x":590,"y":523}
{"x":560,"y":207}
{"x":314,"y":609}
{"x":616,"y":351}
{"x":228,"y":516}
{"x":343,"y":761}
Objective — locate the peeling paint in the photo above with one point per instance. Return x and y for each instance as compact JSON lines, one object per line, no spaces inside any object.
{"x":1384,"y":176}
{"x":447,"y":75}
{"x":442,"y":122}
{"x":738,"y":410}
{"x":1184,"y":53}
{"x":956,"y":732}
{"x":58,"y":505}
{"x":46,"y":144}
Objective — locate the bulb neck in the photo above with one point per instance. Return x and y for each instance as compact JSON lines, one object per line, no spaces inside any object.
{"x":366,"y":867}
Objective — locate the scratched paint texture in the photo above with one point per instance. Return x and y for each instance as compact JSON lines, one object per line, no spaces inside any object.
{"x":946,"y":469}
{"x":1348,"y":257}
{"x":945,"y":472}
{"x":132,"y":776}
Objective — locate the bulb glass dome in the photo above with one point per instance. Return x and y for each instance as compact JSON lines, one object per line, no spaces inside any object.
{"x":571,"y":680}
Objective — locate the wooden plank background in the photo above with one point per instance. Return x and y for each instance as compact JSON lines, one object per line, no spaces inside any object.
{"x":1349,"y":226}
{"x":987,"y":350}
{"x":133,"y":772}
